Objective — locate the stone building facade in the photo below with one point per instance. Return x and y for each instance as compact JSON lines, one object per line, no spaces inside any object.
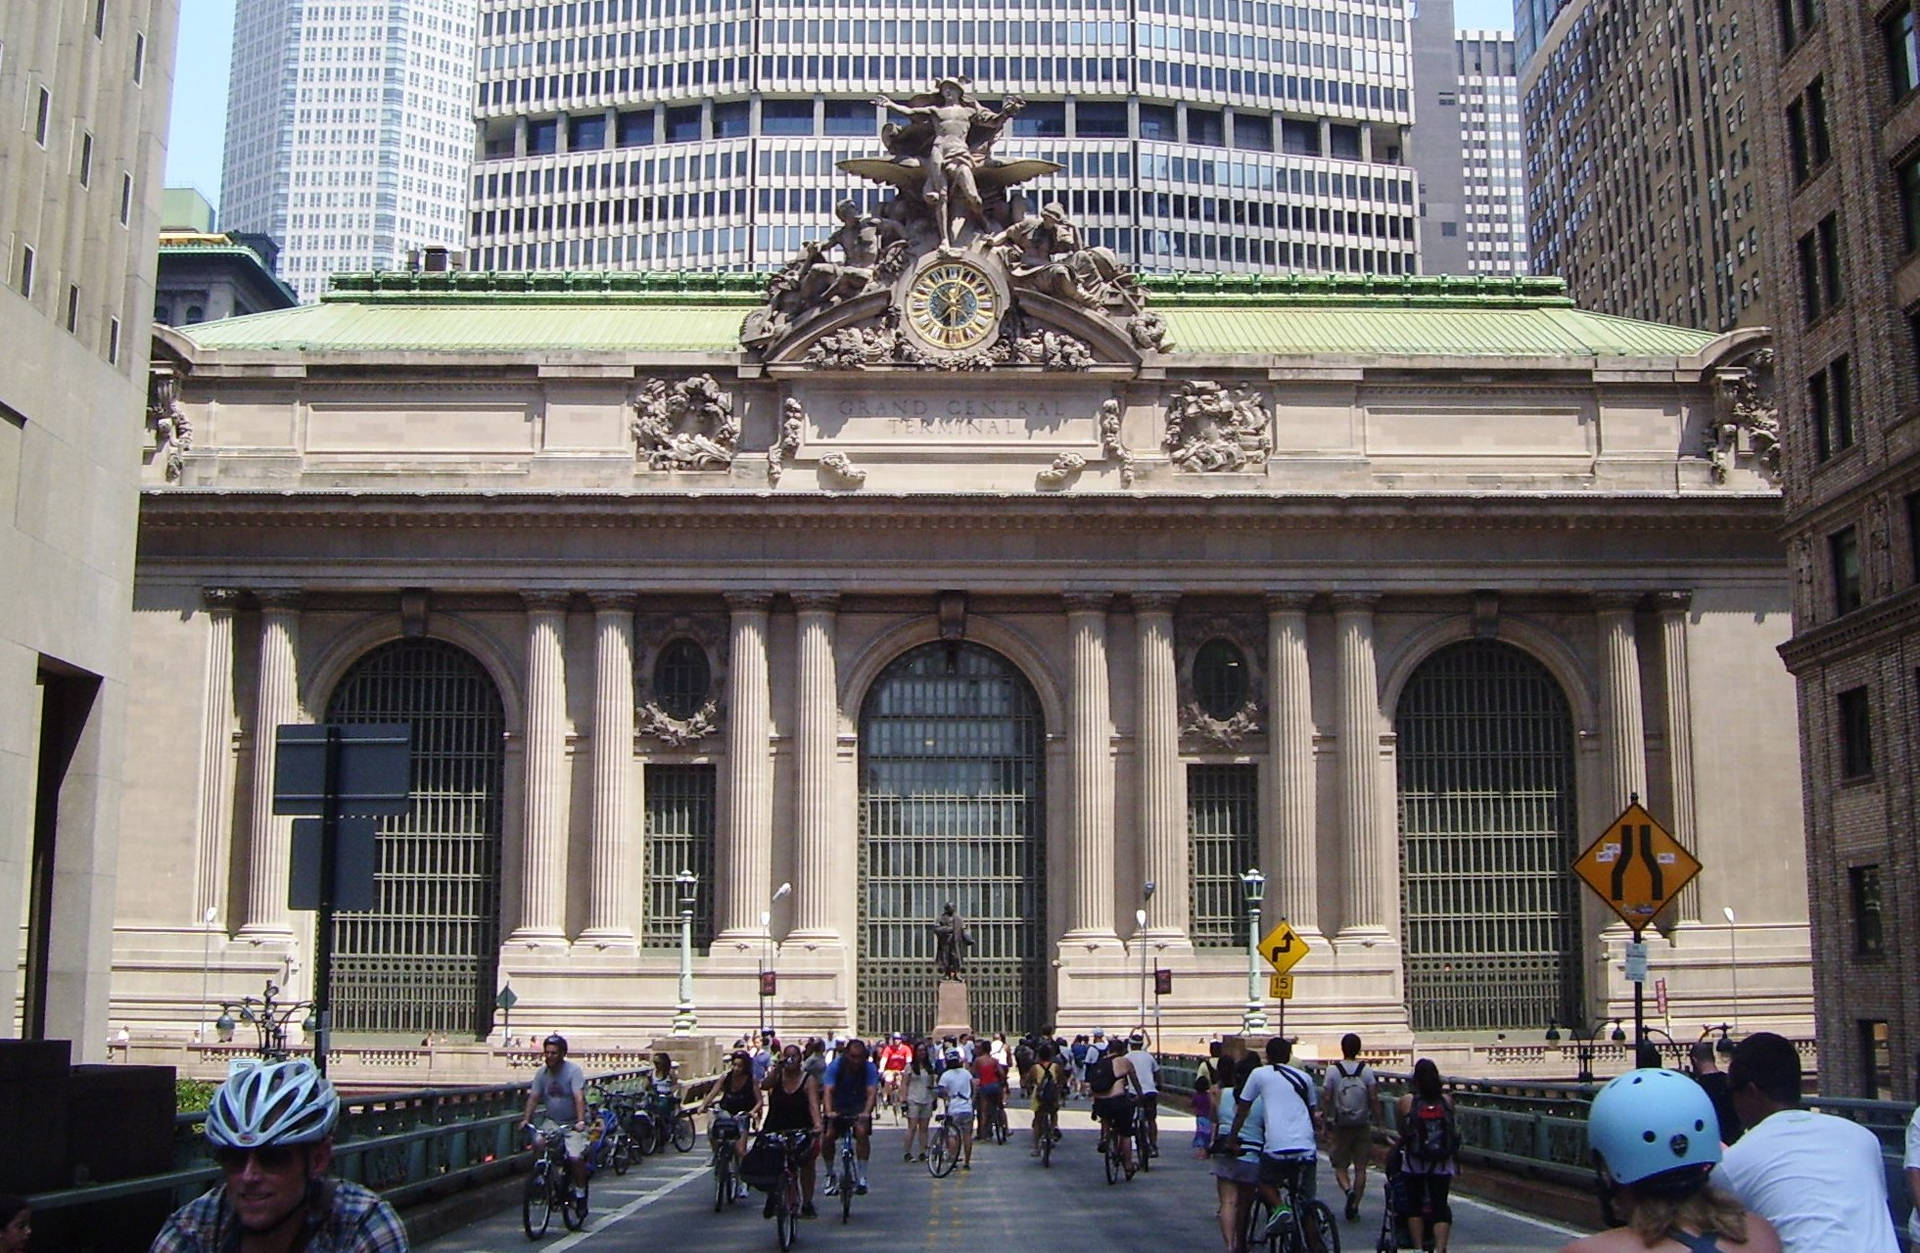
{"x":960,"y":566}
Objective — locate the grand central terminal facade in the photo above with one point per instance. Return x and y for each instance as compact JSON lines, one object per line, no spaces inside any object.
{"x":966,"y":567}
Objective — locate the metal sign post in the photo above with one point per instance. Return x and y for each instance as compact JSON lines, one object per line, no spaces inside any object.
{"x":1637,"y":869}
{"x":329,"y":772}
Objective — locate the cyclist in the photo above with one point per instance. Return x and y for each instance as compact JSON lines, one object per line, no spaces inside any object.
{"x":664,"y":1085}
{"x":895,"y":1057}
{"x":271,"y":1127}
{"x":1046,"y":1086}
{"x":793,"y":1104}
{"x":739,"y":1104}
{"x":955,"y":1088}
{"x":559,"y":1089}
{"x":1110,"y":1077}
{"x":848,"y":1091}
{"x":1146,"y":1074}
{"x":990,"y":1089}
{"x":1291,"y":1117}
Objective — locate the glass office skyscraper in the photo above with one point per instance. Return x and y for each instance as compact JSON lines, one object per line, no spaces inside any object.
{"x":1217,"y":135}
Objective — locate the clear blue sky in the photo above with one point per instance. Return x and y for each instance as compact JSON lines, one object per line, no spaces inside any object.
{"x":206,"y":46}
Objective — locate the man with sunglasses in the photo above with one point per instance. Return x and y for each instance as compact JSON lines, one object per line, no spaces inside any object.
{"x":271,"y":1128}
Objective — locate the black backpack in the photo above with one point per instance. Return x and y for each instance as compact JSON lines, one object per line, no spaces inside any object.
{"x":1100,"y":1075}
{"x":1430,"y":1136}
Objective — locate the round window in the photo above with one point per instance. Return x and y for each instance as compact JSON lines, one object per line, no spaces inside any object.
{"x":682,"y":678}
{"x":1220,"y":679}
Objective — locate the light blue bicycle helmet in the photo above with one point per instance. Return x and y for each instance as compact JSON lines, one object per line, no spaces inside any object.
{"x":1649,"y":1123}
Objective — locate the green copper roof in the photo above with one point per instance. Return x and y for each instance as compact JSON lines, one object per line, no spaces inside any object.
{"x":462,"y":312}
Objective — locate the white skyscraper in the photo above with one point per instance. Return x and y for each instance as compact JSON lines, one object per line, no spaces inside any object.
{"x":1203,"y":135}
{"x":349,"y":131}
{"x":1490,"y":134}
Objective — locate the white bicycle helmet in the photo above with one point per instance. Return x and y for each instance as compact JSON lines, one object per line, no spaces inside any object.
{"x":272,"y":1103}
{"x":1649,"y":1122}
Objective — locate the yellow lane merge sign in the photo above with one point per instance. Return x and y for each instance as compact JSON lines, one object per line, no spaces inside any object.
{"x":1283,"y":948}
{"x":1280,"y":987}
{"x":1636,"y":867}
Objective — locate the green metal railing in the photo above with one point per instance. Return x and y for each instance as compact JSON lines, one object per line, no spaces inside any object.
{"x":407,"y":1146}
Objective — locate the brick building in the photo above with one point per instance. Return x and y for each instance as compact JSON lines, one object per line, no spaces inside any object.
{"x":1843,"y":151}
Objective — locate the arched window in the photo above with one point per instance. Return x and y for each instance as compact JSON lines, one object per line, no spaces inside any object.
{"x":1487,"y":838}
{"x":682,"y":679}
{"x":1220,"y":680}
{"x":423,"y":960}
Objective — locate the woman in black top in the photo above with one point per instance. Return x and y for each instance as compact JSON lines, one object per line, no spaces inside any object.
{"x":793,"y":1104}
{"x":738,"y":1098}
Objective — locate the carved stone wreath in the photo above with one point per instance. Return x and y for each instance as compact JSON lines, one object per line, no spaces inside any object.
{"x":1211,"y":427}
{"x":1197,"y":724}
{"x":652,"y":634}
{"x":688,"y":425}
{"x":867,"y":347}
{"x":651,"y":720}
{"x":1246,"y":632}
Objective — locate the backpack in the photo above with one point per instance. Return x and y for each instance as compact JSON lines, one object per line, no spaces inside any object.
{"x":1430,"y":1137}
{"x":1100,"y":1074}
{"x":1351,"y":1108}
{"x":762,"y":1166}
{"x":1048,"y":1091}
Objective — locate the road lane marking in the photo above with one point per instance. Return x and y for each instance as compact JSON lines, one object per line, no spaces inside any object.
{"x":1516,"y":1215}
{"x":631,"y":1207}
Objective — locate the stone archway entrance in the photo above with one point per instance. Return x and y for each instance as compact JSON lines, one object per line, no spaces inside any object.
{"x":952,"y":808}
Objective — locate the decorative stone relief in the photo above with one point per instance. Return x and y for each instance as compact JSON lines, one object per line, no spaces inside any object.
{"x":1148,"y":331}
{"x":1879,"y":549}
{"x":652,"y":634}
{"x":688,"y":425}
{"x":1211,"y":427}
{"x":793,"y":421}
{"x":1746,"y":418}
{"x":1064,"y":467}
{"x":1111,"y":443}
{"x":1247,"y":633}
{"x":867,"y":347}
{"x":1198,"y":727}
{"x":172,"y":430}
{"x":652,"y":721}
{"x":841,"y":471}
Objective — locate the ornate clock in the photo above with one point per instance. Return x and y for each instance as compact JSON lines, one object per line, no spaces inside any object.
{"x":954,"y":305}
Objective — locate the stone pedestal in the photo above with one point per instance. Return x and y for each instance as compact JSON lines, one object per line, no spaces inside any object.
{"x":950,"y":1013}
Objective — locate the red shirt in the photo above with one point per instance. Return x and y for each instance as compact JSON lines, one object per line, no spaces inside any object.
{"x":988,"y":1070}
{"x":896,"y":1057}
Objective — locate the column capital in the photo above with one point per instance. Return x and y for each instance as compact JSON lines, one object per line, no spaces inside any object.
{"x":219,"y":599}
{"x":1155,"y":602}
{"x":1087,"y":602}
{"x":614,"y":602}
{"x":283,"y":599}
{"x":1355,"y":602}
{"x":753,"y":601}
{"x":1618,"y":602}
{"x":1673,"y":602}
{"x":816,"y":602}
{"x":1288,"y":602}
{"x":544,"y":600}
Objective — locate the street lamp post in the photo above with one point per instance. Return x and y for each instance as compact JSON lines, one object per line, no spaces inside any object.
{"x":1255,"y":1019}
{"x":767,"y":956}
{"x":269,"y":1016}
{"x":1733,"y":963}
{"x":684,"y":1017}
{"x":1140,"y":940}
{"x":1586,"y":1041}
{"x":206,"y":967}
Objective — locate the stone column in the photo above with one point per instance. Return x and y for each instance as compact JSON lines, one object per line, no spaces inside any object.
{"x":1288,"y":851}
{"x":816,"y":744}
{"x":1622,"y":717}
{"x":1364,"y":896}
{"x":745,"y":854}
{"x":609,"y":917}
{"x":1678,"y":708}
{"x":276,"y":701}
{"x":216,"y":756}
{"x":543,"y":836}
{"x":1163,"y":779}
{"x":1091,"y":770}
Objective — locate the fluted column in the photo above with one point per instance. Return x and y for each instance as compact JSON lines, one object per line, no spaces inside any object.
{"x":609,"y":920}
{"x":1163,"y":780}
{"x":1091,"y":767}
{"x":1364,"y":897}
{"x":746,"y":838}
{"x":1624,"y":718}
{"x":816,"y":737}
{"x":543,"y":837}
{"x":276,"y":701}
{"x":216,"y":755}
{"x":1288,"y":850}
{"x":1678,"y":708}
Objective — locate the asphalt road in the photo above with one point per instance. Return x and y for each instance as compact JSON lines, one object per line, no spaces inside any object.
{"x":1005,"y":1204}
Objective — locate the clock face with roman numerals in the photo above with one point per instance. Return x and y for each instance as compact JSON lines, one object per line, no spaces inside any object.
{"x":953,"y":305}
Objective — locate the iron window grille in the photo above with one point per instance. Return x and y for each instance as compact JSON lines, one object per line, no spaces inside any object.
{"x":680,"y":836}
{"x":1223,"y":841}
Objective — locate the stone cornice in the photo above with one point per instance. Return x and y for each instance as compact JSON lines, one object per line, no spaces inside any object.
{"x":1865,"y":628}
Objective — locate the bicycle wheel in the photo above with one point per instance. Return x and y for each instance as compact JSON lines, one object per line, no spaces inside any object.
{"x":536,"y":1205}
{"x":642,"y":1136}
{"x":846,"y":1186}
{"x":683,"y":1134}
{"x":1000,"y":1128}
{"x":1258,"y":1212}
{"x":941,"y":1158}
{"x":786,"y":1215}
{"x":1142,"y":1153}
{"x":1046,"y":1141}
{"x":622,"y":1156}
{"x":722,"y":1179}
{"x":1318,"y":1230}
{"x":573,"y":1209}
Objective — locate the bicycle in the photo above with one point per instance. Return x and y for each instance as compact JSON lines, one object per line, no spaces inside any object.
{"x":943,"y":1148}
{"x":1143,"y":1150}
{"x":788,"y":1198}
{"x":844,"y":1167}
{"x":1113,"y":1140}
{"x":636,"y":1124}
{"x":550,"y":1188}
{"x":1310,"y":1227}
{"x":724,"y":1132}
{"x":1046,"y":1124}
{"x":617,"y":1148}
{"x":993,"y":1119}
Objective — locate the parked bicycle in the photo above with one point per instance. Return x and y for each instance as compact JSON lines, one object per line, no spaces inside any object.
{"x":616,"y":1147}
{"x":943,"y":1148}
{"x":550,"y":1188}
{"x":672,"y":1124}
{"x":1299,"y":1225}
